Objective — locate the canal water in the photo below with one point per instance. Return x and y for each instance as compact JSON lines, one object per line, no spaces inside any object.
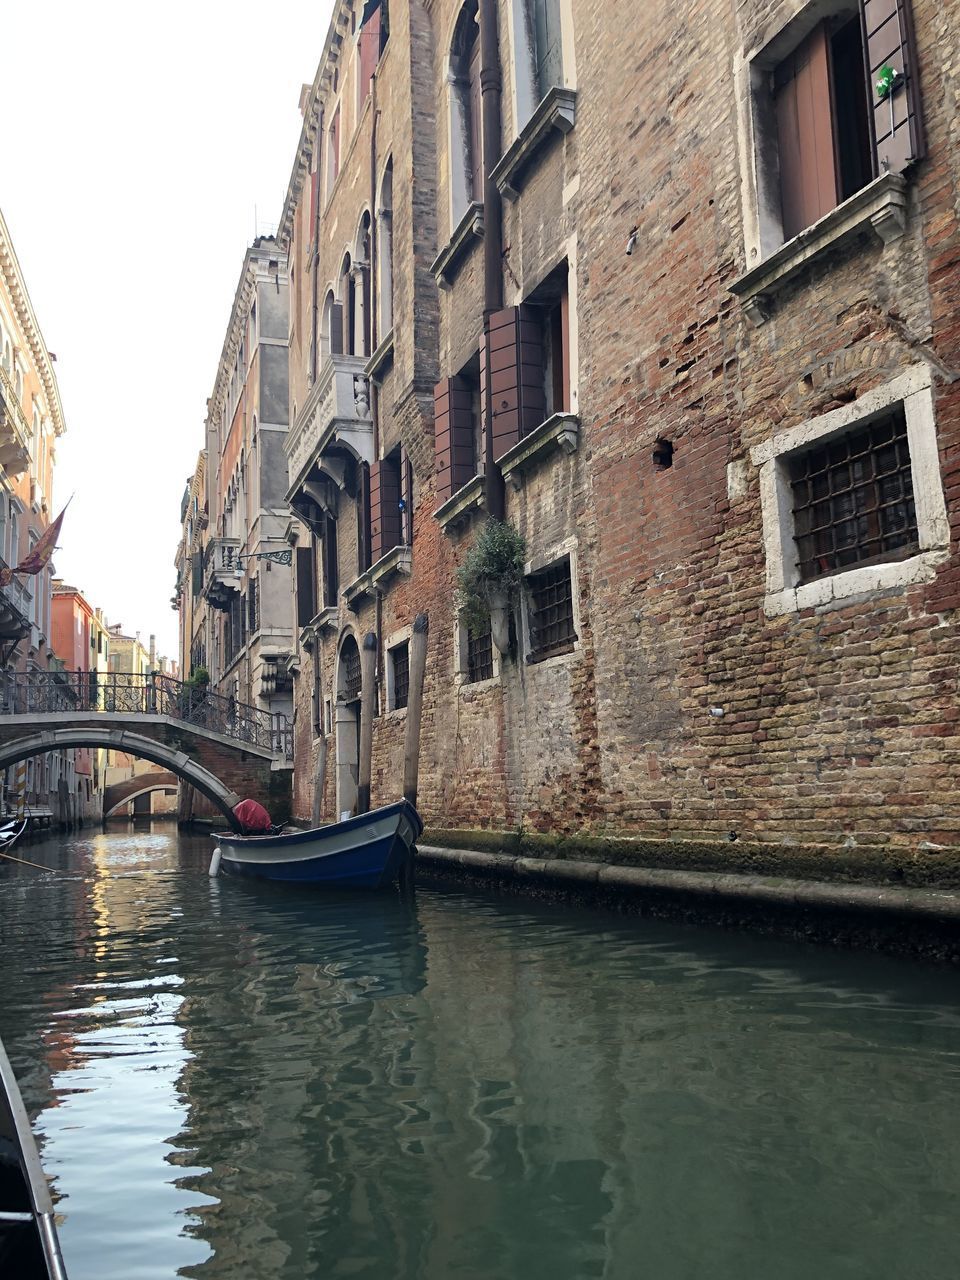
{"x":246,"y":1081}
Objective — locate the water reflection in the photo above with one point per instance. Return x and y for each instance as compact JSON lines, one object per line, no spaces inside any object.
{"x":249,"y":1081}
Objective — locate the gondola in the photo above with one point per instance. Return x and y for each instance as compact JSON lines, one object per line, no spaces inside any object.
{"x":29,"y":1248}
{"x":371,"y":851}
{"x":11,"y":829}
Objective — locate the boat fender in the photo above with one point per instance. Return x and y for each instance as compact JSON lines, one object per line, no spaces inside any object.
{"x":215,"y":863}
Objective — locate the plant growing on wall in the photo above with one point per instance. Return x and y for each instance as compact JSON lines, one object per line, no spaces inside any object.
{"x":489,"y":579}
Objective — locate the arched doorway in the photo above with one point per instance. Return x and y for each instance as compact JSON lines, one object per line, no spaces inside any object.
{"x":347,"y":725}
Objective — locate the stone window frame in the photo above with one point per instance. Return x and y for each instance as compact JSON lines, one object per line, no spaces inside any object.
{"x":525,"y":96}
{"x":568,"y":549}
{"x":770,"y":260}
{"x":913,"y":391}
{"x":394,"y":641}
{"x":461,"y":670}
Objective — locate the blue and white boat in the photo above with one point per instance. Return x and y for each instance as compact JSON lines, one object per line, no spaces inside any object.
{"x":371,"y":851}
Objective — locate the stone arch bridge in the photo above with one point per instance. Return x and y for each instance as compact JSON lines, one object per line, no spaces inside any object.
{"x":226,"y":750}
{"x":141,"y":784}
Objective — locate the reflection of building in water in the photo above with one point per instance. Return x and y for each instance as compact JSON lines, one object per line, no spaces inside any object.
{"x":294,"y":1043}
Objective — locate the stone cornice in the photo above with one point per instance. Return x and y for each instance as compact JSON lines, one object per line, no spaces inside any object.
{"x":29,"y":326}
{"x":337,"y":33}
{"x":255,"y":267}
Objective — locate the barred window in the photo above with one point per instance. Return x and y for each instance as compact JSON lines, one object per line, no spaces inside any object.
{"x":352,"y":679}
{"x":479,"y":657}
{"x":253,"y":607}
{"x":551,"y":612}
{"x":853,"y":499}
{"x":400,"y":658}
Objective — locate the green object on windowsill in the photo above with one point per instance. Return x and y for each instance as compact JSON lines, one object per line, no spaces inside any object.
{"x":887,"y":79}
{"x":491,"y":573}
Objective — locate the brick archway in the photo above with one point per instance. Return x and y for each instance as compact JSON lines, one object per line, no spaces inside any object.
{"x":121,"y":793}
{"x":157,"y":752}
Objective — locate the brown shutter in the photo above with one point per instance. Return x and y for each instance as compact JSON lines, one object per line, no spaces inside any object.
{"x":306,"y":586}
{"x":889,"y":41}
{"x":336,"y":329}
{"x":369,"y":53}
{"x":453,"y":436}
{"x":385,"y":525}
{"x":515,"y":355}
{"x":363,"y":518}
{"x":808,"y":180}
{"x":331,"y":568}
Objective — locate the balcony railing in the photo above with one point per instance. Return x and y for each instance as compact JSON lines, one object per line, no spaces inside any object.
{"x":120,"y":693}
{"x":336,"y":412}
{"x":221,"y":571}
{"x":15,"y":433}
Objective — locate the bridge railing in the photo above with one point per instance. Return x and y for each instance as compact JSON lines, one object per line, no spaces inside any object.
{"x":40,"y":692}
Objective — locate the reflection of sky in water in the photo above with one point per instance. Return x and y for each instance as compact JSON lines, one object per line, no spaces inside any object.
{"x":250,"y":1083}
{"x":116,"y":1107}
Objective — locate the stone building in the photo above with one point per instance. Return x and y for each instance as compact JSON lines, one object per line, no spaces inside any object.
{"x":675,"y":298}
{"x":188,"y":600}
{"x":243,"y":633}
{"x":82,"y":643}
{"x":31,"y":421}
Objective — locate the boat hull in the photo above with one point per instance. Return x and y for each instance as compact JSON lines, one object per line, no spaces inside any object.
{"x":367,"y":852}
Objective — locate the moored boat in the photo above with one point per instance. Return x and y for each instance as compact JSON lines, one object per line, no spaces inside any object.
{"x":29,"y":1248}
{"x":371,"y":851}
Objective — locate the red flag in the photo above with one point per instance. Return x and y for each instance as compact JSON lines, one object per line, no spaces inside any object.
{"x":37,"y":558}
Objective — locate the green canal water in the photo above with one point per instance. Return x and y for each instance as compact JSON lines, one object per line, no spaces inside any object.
{"x":246,"y":1081}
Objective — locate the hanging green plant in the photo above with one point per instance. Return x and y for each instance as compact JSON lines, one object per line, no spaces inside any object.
{"x":490,"y":575}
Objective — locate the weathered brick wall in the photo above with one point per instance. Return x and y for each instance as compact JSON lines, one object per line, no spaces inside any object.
{"x":838,"y":724}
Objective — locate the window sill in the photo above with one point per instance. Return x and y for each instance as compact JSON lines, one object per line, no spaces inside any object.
{"x":397,"y":561}
{"x":863,"y":580}
{"x":880,"y":206}
{"x":557,"y":112}
{"x":381,"y":358}
{"x":553,"y":659}
{"x":560,"y":432}
{"x":468,"y":233}
{"x":468,"y":688}
{"x":465,"y":503}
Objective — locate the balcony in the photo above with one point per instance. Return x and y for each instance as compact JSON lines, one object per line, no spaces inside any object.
{"x":221,"y":572}
{"x":15,"y":602}
{"x":15,"y":433}
{"x":333,"y":427}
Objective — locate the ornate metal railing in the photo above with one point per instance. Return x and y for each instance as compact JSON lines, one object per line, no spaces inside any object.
{"x":39,"y":692}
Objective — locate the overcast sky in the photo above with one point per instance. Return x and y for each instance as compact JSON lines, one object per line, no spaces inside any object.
{"x":137,"y":143}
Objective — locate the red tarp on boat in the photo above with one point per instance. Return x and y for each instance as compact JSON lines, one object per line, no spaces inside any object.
{"x":253,"y":818}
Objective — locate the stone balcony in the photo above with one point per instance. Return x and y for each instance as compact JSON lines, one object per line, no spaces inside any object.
{"x":15,"y":433}
{"x":15,"y":602}
{"x":333,"y":426}
{"x":221,"y":571}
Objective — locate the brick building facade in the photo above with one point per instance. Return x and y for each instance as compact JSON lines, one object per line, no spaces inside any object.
{"x":676,"y":297}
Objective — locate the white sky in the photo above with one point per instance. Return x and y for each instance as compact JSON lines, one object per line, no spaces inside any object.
{"x":135,"y":144}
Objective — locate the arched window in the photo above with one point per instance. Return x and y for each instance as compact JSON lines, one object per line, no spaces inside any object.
{"x":385,"y":253}
{"x":361,"y":288}
{"x":538,"y":49}
{"x":348,"y":302}
{"x":331,"y":329}
{"x":466,"y":132}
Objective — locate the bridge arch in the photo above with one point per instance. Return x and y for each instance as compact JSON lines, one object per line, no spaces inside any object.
{"x":56,"y":739}
{"x":121,"y":793}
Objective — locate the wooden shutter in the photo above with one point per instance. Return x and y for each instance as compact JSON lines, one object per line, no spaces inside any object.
{"x":808,"y":179}
{"x":453,"y":436}
{"x":516,"y":375}
{"x":336,"y":329}
{"x":546,"y":15}
{"x":331,"y":567}
{"x":386,"y":531}
{"x":475,"y":108}
{"x":369,"y":53}
{"x":306,"y":587}
{"x":363,"y":519}
{"x":889,"y":41}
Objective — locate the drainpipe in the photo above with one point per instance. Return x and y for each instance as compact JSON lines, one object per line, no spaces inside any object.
{"x":490,"y":91}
